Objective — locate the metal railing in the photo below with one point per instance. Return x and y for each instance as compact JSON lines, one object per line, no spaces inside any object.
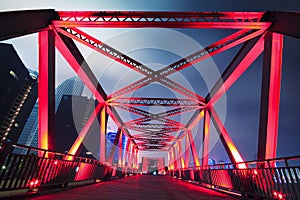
{"x":45,"y":169}
{"x":269,"y":179}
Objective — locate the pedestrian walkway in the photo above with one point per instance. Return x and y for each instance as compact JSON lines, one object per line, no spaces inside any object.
{"x":142,"y":187}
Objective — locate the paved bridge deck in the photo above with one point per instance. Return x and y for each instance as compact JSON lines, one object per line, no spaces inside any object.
{"x":139,"y":187}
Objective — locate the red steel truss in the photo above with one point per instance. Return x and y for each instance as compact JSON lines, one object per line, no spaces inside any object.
{"x":150,"y":135}
{"x":257,"y":32}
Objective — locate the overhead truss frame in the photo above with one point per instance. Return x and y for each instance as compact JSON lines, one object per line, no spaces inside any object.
{"x":258,"y":32}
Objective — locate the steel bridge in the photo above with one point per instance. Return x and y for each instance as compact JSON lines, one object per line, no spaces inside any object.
{"x":256,"y":32}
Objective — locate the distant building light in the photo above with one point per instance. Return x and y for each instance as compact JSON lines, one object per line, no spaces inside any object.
{"x":13,"y":74}
{"x":88,"y":153}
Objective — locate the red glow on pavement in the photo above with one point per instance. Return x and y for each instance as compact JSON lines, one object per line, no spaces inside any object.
{"x":194,"y":187}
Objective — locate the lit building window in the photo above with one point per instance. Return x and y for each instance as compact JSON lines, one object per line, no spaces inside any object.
{"x":11,"y":72}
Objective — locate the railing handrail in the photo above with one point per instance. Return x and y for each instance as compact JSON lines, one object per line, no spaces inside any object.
{"x":288,"y":158}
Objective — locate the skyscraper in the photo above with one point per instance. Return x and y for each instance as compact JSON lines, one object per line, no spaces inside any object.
{"x":18,"y":93}
{"x":29,"y":136}
{"x":71,"y":86}
{"x":71,"y":116}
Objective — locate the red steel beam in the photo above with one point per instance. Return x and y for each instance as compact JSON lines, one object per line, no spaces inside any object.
{"x":130,"y":88}
{"x":245,"y":57}
{"x":213,"y":49}
{"x":87,"y":80}
{"x":70,"y":58}
{"x":76,"y":66}
{"x":74,"y":148}
{"x":193,"y":149}
{"x":105,"y":49}
{"x":144,"y":101}
{"x":114,"y":54}
{"x":91,"y":84}
{"x":270,"y":97}
{"x":195,"y":120}
{"x":121,"y":19}
{"x":174,"y":85}
{"x":46,"y":88}
{"x":229,"y":146}
{"x":159,"y":117}
{"x":161,"y":16}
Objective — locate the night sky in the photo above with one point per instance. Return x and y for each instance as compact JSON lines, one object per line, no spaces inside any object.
{"x":242,"y":100}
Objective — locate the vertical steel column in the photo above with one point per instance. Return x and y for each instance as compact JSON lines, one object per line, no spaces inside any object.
{"x":103,"y":118}
{"x":120,"y":153}
{"x":176,"y":155}
{"x":193,"y":149}
{"x":132,"y":155}
{"x":46,"y":88}
{"x":137,"y":159}
{"x":187,"y":151}
{"x":169,"y":160}
{"x":206,"y":136}
{"x":126,"y":154}
{"x":180,"y":154}
{"x":174,"y":158}
{"x":270,"y":96}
